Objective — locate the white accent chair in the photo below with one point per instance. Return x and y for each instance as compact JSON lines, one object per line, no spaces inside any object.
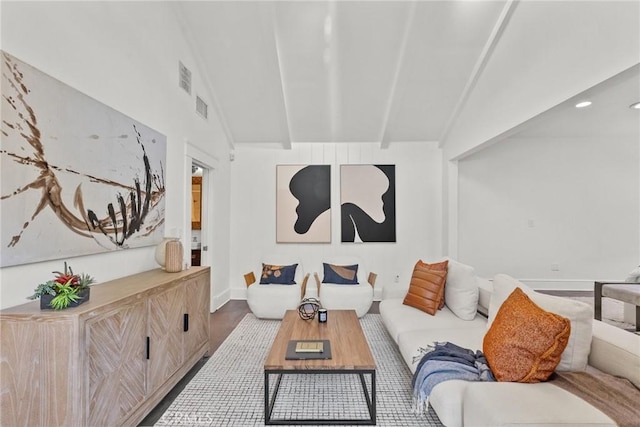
{"x":347,"y":297}
{"x":271,"y":301}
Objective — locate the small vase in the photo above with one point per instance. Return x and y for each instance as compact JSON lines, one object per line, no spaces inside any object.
{"x":45,"y":300}
{"x":173,"y":256}
{"x":161,"y":251}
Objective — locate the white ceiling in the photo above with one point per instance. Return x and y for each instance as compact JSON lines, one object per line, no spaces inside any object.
{"x":608,"y":116}
{"x":282,"y":72}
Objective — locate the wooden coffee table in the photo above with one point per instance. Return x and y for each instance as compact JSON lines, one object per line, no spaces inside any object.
{"x":350,"y":355}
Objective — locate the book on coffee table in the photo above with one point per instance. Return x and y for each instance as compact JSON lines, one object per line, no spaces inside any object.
{"x":308,"y":349}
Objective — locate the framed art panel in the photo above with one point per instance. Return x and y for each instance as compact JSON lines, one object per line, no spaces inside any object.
{"x":303,"y":203}
{"x":368,"y":203}
{"x":78,"y":177}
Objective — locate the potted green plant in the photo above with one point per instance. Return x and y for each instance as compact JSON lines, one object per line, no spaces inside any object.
{"x":65,"y":290}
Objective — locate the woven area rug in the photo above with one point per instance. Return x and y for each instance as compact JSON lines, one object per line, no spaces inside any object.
{"x":229,"y":389}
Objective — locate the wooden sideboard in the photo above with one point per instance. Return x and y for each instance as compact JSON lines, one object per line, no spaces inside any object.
{"x":109,"y":361}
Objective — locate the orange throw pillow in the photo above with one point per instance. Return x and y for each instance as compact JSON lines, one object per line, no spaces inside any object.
{"x":426,"y":289}
{"x":525,"y":342}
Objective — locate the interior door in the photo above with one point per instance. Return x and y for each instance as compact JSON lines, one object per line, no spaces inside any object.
{"x":196,"y":202}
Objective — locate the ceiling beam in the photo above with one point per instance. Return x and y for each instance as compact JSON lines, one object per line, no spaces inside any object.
{"x":483,"y":59}
{"x":286,"y":143}
{"x":384,"y":138}
{"x":332,"y":69}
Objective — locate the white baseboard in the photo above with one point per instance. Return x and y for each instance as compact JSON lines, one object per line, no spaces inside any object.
{"x":239,"y":293}
{"x":219,"y":300}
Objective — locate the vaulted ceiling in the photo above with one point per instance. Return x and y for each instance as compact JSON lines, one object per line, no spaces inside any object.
{"x":282,"y":72}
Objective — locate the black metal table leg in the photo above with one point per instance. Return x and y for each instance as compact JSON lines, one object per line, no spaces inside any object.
{"x":269,"y":401}
{"x":597,"y":301}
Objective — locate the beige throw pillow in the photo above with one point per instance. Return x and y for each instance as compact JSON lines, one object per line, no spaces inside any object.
{"x":461,"y":290}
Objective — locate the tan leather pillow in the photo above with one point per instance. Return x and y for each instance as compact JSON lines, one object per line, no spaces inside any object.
{"x":525,"y":342}
{"x":441,"y":266}
{"x":427,"y":286}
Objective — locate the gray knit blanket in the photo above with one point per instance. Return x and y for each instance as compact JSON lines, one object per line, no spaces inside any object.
{"x":443,"y":362}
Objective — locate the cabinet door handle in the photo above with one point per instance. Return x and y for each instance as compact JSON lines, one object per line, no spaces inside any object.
{"x":148,"y":348}
{"x":185,"y":324}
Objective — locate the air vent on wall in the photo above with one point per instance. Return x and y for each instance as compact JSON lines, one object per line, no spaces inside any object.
{"x":201,"y":107}
{"x":185,"y":78}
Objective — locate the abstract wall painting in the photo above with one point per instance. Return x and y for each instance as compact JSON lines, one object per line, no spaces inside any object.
{"x":303,"y":203}
{"x":368,"y":203}
{"x":78,"y":177}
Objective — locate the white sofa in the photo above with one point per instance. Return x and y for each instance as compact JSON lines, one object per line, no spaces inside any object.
{"x":462,"y":403}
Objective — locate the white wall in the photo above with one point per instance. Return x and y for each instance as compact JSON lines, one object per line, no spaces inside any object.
{"x":418,"y":209}
{"x":124,"y":55}
{"x":525,"y":204}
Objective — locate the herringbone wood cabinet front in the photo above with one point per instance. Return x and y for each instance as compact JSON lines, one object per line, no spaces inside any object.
{"x":117,"y":364}
{"x":108,"y":361}
{"x":198,"y":309}
{"x":165,"y":313}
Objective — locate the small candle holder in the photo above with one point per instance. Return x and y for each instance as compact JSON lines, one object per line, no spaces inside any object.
{"x":322,"y":315}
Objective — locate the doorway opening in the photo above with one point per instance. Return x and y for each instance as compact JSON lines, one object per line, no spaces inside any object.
{"x":203,"y":166}
{"x":196,"y":213}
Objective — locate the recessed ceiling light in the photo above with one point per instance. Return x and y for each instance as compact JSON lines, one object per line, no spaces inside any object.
{"x":583,"y":104}
{"x":635,"y":106}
